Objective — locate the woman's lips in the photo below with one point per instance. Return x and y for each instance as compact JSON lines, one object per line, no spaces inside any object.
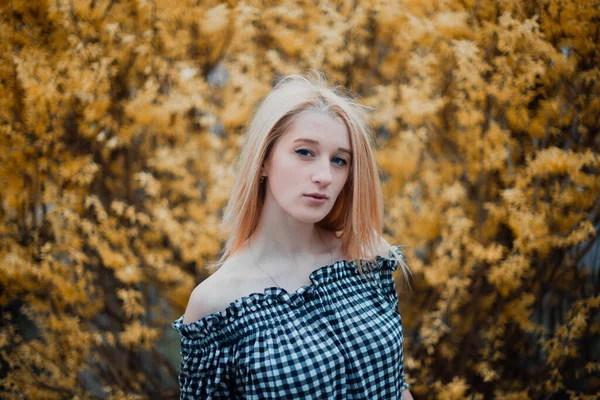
{"x":315,"y":200}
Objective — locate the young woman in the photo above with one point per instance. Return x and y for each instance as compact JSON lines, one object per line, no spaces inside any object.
{"x":303,"y":304}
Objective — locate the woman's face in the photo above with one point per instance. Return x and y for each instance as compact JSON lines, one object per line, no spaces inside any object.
{"x":314,"y":156}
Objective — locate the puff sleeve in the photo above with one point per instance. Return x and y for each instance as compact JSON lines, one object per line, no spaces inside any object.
{"x":387,"y":266}
{"x":205,"y":370}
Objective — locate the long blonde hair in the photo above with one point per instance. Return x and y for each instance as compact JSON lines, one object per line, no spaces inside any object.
{"x":358,"y":211}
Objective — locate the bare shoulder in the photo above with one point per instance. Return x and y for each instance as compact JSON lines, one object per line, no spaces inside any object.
{"x":383,"y":247}
{"x":210,"y":296}
{"x":216,"y":292}
{"x":203,"y":300}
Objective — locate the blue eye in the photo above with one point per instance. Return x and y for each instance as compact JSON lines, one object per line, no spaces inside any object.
{"x":299,"y":151}
{"x":342,"y":160}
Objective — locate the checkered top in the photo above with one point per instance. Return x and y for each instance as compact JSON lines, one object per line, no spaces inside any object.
{"x":338,"y":338}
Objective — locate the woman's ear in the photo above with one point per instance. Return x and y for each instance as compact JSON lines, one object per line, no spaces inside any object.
{"x":265,"y":165}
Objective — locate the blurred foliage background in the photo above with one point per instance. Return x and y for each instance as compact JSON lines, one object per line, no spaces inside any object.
{"x":120,"y":122}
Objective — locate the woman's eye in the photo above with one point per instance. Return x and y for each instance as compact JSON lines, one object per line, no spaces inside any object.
{"x":343,"y":162}
{"x":302,"y":150}
{"x":340,"y":161}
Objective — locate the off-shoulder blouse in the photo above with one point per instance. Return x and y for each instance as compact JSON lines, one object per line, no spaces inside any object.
{"x":337,"y":338}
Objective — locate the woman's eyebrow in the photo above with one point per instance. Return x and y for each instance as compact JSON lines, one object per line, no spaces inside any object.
{"x":317,"y":142}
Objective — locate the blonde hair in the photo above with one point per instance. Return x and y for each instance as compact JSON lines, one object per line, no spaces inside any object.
{"x":358,"y":211}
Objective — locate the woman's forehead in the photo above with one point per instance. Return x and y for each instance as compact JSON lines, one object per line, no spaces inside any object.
{"x":318,"y":128}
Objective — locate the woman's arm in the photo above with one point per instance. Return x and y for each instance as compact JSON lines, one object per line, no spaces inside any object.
{"x":406,"y":395}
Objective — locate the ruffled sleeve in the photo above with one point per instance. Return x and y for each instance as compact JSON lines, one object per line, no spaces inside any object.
{"x":206,"y":367}
{"x":387,"y":266}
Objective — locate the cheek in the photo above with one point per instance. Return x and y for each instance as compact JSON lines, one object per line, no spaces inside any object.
{"x":344,"y":177}
{"x":286,"y":175}
{"x":343,"y":182}
{"x":289,"y":169}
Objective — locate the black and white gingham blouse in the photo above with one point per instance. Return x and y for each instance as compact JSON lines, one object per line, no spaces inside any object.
{"x":338,"y":338}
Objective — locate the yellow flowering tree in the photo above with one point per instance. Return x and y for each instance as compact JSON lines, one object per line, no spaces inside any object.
{"x":493,"y":163}
{"x":120,"y":123}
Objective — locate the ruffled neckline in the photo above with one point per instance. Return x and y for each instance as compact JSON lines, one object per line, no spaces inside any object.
{"x":216,"y":324}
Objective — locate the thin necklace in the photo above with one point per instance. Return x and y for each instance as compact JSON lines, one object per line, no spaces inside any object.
{"x":261,"y":268}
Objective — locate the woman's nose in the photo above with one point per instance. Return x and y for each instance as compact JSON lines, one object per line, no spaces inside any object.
{"x":323,"y":174}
